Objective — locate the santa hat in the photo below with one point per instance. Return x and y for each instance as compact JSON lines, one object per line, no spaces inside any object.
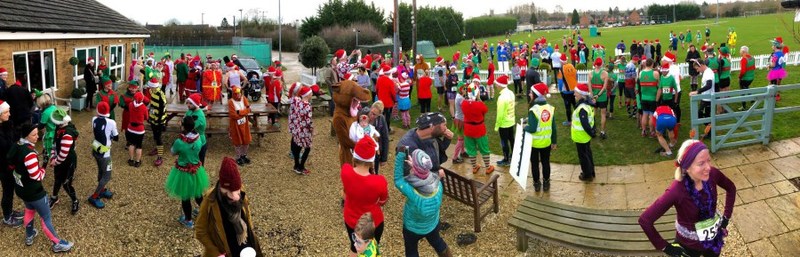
{"x":196,"y":99}
{"x":364,"y":62}
{"x":439,"y":59}
{"x":521,"y":62}
{"x":229,"y":177}
{"x":153,"y":83}
{"x":229,"y":64}
{"x":271,"y":70}
{"x":315,"y":90}
{"x":349,"y":76}
{"x":18,"y":83}
{"x":646,"y":42}
{"x":294,"y":88}
{"x":151,"y":54}
{"x":657,"y":41}
{"x":91,"y":60}
{"x":103,"y":109}
{"x":3,"y":71}
{"x":305,"y":91}
{"x":502,"y":81}
{"x":665,"y":67}
{"x":138,"y":97}
{"x":541,"y":90}
{"x":404,"y":75}
{"x":476,"y":78}
{"x":583,"y":89}
{"x":106,"y":82}
{"x":4,"y":107}
{"x":365,"y":149}
{"x":340,"y":54}
{"x":634,"y":41}
{"x":598,"y":62}
{"x":669,"y":57}
{"x":60,"y":117}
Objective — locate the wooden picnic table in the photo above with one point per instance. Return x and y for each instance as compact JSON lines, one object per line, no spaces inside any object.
{"x":257,"y":111}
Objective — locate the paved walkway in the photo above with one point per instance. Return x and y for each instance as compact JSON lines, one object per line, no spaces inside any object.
{"x":767,"y":210}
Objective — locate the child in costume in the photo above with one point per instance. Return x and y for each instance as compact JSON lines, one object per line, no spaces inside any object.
{"x":188,"y":179}
{"x":362,"y":127}
{"x":583,"y":130}
{"x":238,"y":125}
{"x":364,"y":237}
{"x":45,"y":103}
{"x":66,"y":161}
{"x":134,"y":135}
{"x":104,"y":130}
{"x":157,"y":118}
{"x":458,"y":123}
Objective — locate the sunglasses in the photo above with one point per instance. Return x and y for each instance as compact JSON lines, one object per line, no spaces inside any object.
{"x":355,"y":239}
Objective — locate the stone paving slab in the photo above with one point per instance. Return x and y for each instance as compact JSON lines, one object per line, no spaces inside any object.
{"x":761,"y":192}
{"x":763,"y":247}
{"x":758,"y":153}
{"x":641,"y":195}
{"x":787,"y":244}
{"x":728,"y":158}
{"x":626,"y":174}
{"x":761,"y":173}
{"x":735,"y":175}
{"x":609,"y":196}
{"x":788,"y":166}
{"x":787,"y":209}
{"x":784,"y":187}
{"x":785,"y":147}
{"x":721,"y":201}
{"x":659,"y":171}
{"x":571,"y":193}
{"x":756,"y":221}
{"x":561,"y":172}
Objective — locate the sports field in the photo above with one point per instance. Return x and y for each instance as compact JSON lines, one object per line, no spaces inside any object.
{"x":260,"y":52}
{"x":624,"y":144}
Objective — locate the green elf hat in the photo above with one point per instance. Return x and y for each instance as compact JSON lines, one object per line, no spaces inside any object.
{"x":60,"y":117}
{"x":461,"y":89}
{"x":37,"y":93}
{"x":724,"y":51}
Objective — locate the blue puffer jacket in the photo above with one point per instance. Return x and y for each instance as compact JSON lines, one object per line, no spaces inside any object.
{"x":420,"y":213}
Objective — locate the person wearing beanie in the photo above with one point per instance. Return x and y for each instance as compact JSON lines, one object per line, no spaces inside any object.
{"x":134,"y":134}
{"x":475,"y":138}
{"x":505,"y":119}
{"x":91,"y":79}
{"x":157,"y":119}
{"x":181,"y":76}
{"x":238,"y":125}
{"x":108,"y":95}
{"x":541,"y":125}
{"x":188,"y":178}
{"x":458,"y":124}
{"x":363,"y":192}
{"x":424,"y":95}
{"x":599,"y":80}
{"x":104,"y":131}
{"x":747,"y":72}
{"x":404,"y":101}
{"x":648,"y":89}
{"x":724,"y":69}
{"x":583,"y":130}
{"x":700,"y":227}
{"x":423,"y":192}
{"x":212,"y":84}
{"x":7,"y":140}
{"x":29,"y":175}
{"x":227,"y":207}
{"x":195,"y":106}
{"x":66,"y":160}
{"x":301,"y":127}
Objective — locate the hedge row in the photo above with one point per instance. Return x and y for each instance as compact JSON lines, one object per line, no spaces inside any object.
{"x":489,"y":26}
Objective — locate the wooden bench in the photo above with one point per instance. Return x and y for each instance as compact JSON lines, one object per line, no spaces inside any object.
{"x":473,"y":193}
{"x":613,"y":232}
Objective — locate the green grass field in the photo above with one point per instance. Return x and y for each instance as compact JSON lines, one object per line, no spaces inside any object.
{"x":625,"y":145}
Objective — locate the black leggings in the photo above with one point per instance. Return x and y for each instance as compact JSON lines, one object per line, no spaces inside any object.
{"x":387,"y":112}
{"x":186,"y":206}
{"x":158,"y":129}
{"x":705,"y":110}
{"x":745,"y":84}
{"x":378,"y":233}
{"x":274,"y":116}
{"x":64,"y":173}
{"x":542,"y":154}
{"x":569,"y":103}
{"x":586,"y":159}
{"x":202,"y":154}
{"x":8,"y":183}
{"x":299,"y":161}
{"x":507,"y":142}
{"x":517,"y":86}
{"x":677,"y":106}
{"x":424,"y":105}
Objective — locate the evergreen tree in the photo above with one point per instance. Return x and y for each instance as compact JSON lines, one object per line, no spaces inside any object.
{"x":575,"y":17}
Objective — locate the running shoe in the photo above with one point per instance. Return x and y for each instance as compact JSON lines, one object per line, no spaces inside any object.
{"x":137,"y":164}
{"x":75,"y":207}
{"x":12,"y":222}
{"x":240,"y":162}
{"x":130,"y":162}
{"x":245,"y":159}
{"x":96,"y":202}
{"x":29,"y":238}
{"x":603,"y":135}
{"x":195,"y":212}
{"x":53,"y":201}
{"x":566,"y":123}
{"x":458,"y":160}
{"x":158,"y":162}
{"x":546,"y":186}
{"x":62,"y":246}
{"x":186,"y":223}
{"x":489,"y":169}
{"x":644,"y":134}
{"x":475,"y":169}
{"x":107,"y":194}
{"x":17,"y":215}
{"x":537,"y":186}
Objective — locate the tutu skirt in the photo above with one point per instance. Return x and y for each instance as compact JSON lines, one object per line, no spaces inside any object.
{"x":185,"y":186}
{"x":776,"y":74}
{"x":404,"y":104}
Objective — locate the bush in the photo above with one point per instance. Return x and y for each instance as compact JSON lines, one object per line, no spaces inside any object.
{"x":313,"y":52}
{"x":580,"y":66}
{"x":489,"y":26}
{"x":78,"y":92}
{"x":338,"y":37}
{"x":289,"y":37}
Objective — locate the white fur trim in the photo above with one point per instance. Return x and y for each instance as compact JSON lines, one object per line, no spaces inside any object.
{"x":66,"y":120}
{"x":192,"y":102}
{"x":355,"y":155}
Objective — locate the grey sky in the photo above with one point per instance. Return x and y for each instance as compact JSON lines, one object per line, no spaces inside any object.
{"x":159,"y":11}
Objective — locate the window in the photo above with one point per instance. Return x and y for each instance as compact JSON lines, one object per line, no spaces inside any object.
{"x":116,"y":61}
{"x":83,"y":55}
{"x":35,"y":69}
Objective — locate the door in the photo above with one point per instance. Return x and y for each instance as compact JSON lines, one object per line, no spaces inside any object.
{"x":83,"y":55}
{"x":35,"y":69}
{"x":116,"y":62}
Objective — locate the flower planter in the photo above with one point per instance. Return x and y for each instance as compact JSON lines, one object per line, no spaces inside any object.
{"x":78,"y":103}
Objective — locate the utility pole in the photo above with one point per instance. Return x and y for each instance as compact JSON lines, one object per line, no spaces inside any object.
{"x":717,"y":12}
{"x":202,"y":16}
{"x":396,"y":35}
{"x":241,"y":27}
{"x":280,"y":28}
{"x":414,"y":30}
{"x":673,"y":12}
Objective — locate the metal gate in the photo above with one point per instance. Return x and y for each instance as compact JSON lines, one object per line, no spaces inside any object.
{"x":734,"y":126}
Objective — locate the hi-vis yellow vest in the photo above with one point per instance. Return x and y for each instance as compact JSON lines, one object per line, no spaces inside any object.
{"x":578,"y":134}
{"x":544,"y":131}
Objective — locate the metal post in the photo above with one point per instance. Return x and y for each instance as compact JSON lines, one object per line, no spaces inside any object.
{"x":202,"y":17}
{"x":241,"y":27}
{"x":717,"y":12}
{"x":414,"y":30}
{"x":280,"y":39}
{"x":396,"y":35}
{"x":673,"y":12}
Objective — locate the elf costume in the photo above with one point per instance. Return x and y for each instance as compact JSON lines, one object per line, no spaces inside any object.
{"x":157,"y":118}
{"x":188,"y":179}
{"x":199,"y":120}
{"x":66,"y":160}
{"x":50,"y":132}
{"x":126,"y":100}
{"x":108,"y":96}
{"x":475,"y":130}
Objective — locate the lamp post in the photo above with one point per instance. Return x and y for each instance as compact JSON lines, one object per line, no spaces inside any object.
{"x":202,"y":17}
{"x":673,"y":12}
{"x":241,"y":27}
{"x":280,"y":40}
{"x":717,"y":12}
{"x":356,"y":31}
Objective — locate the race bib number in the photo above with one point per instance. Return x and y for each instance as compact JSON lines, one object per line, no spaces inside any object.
{"x":707,"y":230}
{"x":666,"y":90}
{"x":241,"y":121}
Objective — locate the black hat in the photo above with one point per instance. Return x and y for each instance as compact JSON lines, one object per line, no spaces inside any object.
{"x":26,"y":128}
{"x":430,"y":119}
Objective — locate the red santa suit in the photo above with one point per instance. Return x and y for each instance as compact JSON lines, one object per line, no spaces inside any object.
{"x":212,"y":85}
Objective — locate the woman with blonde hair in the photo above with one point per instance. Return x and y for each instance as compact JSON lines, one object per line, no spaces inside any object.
{"x":700,"y":229}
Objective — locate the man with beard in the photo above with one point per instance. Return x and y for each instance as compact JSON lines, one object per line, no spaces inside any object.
{"x":431,"y":135}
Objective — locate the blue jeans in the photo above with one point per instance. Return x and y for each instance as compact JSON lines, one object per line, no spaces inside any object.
{"x":43,"y":209}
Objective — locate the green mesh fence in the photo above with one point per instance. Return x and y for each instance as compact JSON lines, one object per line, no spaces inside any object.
{"x":260,"y":51}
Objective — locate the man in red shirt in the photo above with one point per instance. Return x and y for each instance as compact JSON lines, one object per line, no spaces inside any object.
{"x":386,"y":92}
{"x":475,"y":138}
{"x":424,"y":95}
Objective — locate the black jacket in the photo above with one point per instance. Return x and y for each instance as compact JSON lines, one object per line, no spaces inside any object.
{"x":689,"y":56}
{"x":21,"y":103}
